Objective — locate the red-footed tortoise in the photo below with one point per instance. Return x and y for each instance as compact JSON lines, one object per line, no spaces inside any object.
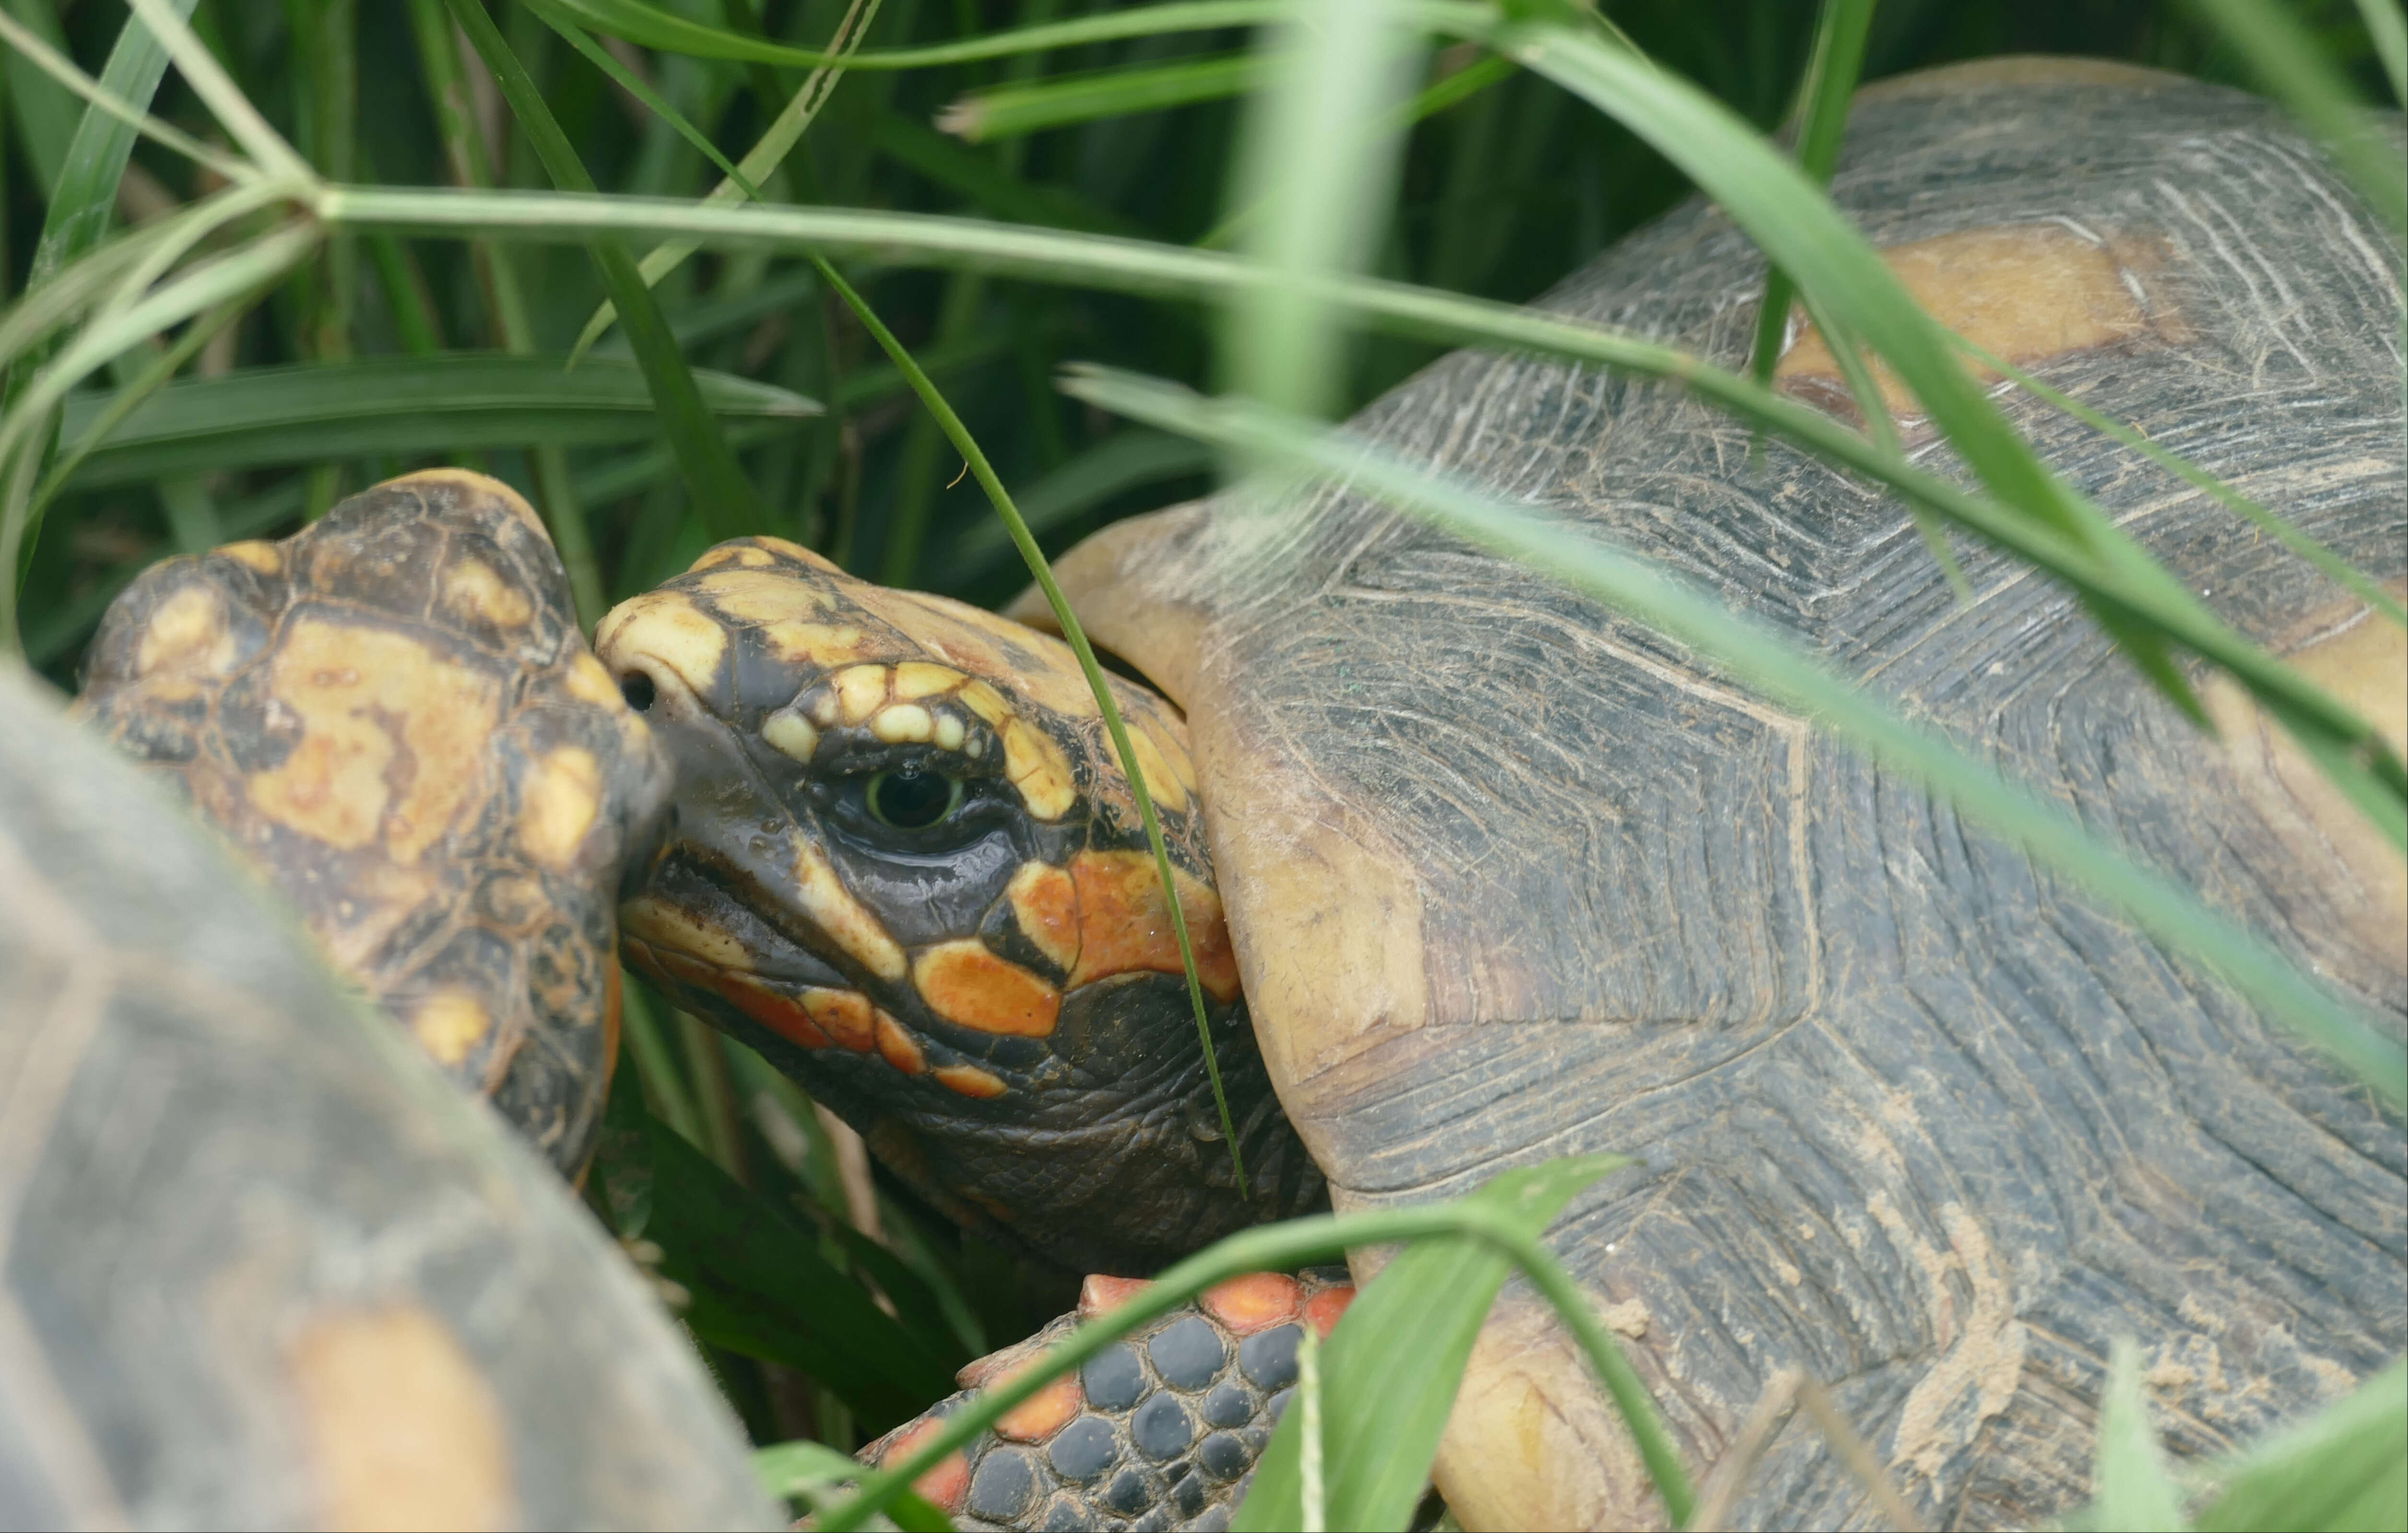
{"x":1505,"y":877}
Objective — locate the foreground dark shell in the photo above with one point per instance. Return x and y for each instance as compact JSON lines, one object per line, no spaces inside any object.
{"x":1513,"y":878}
{"x":260,"y":1265}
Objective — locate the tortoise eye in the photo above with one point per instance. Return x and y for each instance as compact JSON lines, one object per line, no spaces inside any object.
{"x":911,"y":800}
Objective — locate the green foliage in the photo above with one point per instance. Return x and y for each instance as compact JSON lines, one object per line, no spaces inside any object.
{"x":226,"y":362}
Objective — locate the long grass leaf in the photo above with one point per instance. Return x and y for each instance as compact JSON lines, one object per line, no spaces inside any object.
{"x":100,"y":423}
{"x":45,"y":119}
{"x":1785,"y":673}
{"x":2282,"y":529}
{"x":1008,"y":111}
{"x":2386,"y":28}
{"x":715,"y":484}
{"x":2374,"y":776}
{"x":2345,"y":1467}
{"x":936,"y":403}
{"x":654,"y":27}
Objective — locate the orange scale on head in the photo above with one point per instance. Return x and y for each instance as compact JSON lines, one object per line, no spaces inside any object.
{"x":969,"y":1081}
{"x":946,"y":1485}
{"x":1037,"y":1418}
{"x":968,"y":986}
{"x":1100,"y":1294}
{"x":1255,"y":1302}
{"x":896,"y":1047}
{"x":782,"y":1014}
{"x":1125,"y":924}
{"x":845,"y":1016}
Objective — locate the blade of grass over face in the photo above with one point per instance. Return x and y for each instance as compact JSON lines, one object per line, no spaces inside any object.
{"x":1782,"y":671}
{"x":2280,"y":528}
{"x":1318,"y":1238}
{"x":313,"y":412}
{"x":763,"y":158}
{"x":2280,"y":51}
{"x":716,"y":486}
{"x":654,"y":27}
{"x":1385,"y":1402}
{"x":2368,"y":771}
{"x":1821,"y":118}
{"x":1007,"y":111}
{"x":968,"y":446}
{"x":1324,"y":188}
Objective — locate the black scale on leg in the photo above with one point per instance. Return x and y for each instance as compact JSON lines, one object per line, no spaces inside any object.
{"x":1164,"y":1431}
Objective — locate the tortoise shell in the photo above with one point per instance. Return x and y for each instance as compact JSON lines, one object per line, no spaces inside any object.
{"x":1511,"y":878}
{"x":393,"y":715}
{"x":260,"y":1265}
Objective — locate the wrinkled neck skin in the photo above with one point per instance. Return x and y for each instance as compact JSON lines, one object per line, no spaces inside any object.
{"x":907,"y":869}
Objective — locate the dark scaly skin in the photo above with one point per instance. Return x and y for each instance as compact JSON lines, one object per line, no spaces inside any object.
{"x":996,"y":1001}
{"x":260,"y":1265}
{"x":394,"y":716}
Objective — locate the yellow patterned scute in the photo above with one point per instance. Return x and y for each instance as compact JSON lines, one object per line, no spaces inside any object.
{"x":393,"y":716}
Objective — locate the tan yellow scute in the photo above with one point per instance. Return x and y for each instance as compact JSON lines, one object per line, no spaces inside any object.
{"x":2027,"y":293}
{"x":401,"y":1427}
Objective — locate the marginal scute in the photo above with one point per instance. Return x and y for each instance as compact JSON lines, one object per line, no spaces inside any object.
{"x":559,"y":806}
{"x":187,"y":638}
{"x":472,"y":589}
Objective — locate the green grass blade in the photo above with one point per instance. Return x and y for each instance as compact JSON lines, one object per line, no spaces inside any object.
{"x":97,"y":426}
{"x":1786,"y":674}
{"x":2346,"y":1467}
{"x":2122,"y":577}
{"x":633,"y":84}
{"x":1324,"y":187}
{"x":654,"y":27}
{"x":2277,"y":47}
{"x":2132,"y":1490}
{"x":2341,"y":571}
{"x":1010,"y":110}
{"x":1290,"y":1244}
{"x":1821,"y":118}
{"x":1120,"y":463}
{"x":976,"y":176}
{"x":1076,"y":636}
{"x":716,"y":487}
{"x":314,"y":412}
{"x":815,"y":1474}
{"x":784,"y":132}
{"x":1386,"y":1400}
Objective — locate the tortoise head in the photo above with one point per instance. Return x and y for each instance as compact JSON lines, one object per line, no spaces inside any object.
{"x":908,"y":870}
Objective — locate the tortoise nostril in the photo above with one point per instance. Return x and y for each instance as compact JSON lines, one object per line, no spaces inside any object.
{"x":637,"y":689}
